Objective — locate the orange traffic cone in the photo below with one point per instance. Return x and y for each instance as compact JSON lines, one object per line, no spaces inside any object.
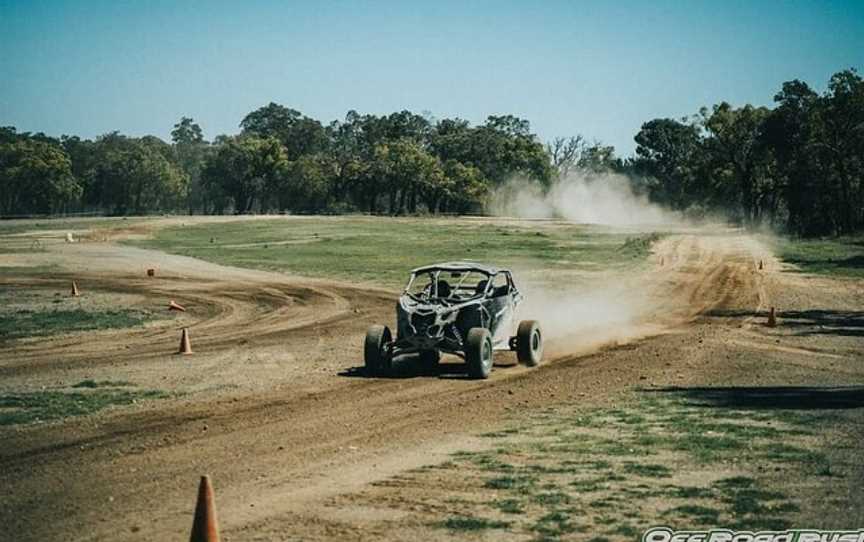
{"x":772,"y":318}
{"x":205,"y":528}
{"x":172,"y":306}
{"x":75,"y":292}
{"x":151,"y":272}
{"x":185,"y":345}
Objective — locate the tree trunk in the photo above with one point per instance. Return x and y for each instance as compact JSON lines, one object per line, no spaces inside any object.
{"x":402,"y":202}
{"x":392,"y":196}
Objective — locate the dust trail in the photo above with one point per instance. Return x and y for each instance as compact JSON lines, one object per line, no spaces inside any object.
{"x":579,"y":319}
{"x":686,"y":276}
{"x":581,"y":314}
{"x":581,"y":197}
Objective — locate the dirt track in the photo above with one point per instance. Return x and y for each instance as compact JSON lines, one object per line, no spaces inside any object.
{"x":275,"y":408}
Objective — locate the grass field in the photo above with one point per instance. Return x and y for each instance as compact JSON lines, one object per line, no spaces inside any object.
{"x":43,"y":312}
{"x":612,"y":472}
{"x":8,"y":227}
{"x":36,"y":323}
{"x":843,"y":256}
{"x":85,"y":397}
{"x":381,"y":250}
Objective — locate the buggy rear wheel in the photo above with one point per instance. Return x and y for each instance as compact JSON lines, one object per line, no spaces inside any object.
{"x":529,"y":343}
{"x":376,"y":350}
{"x":478,"y":352}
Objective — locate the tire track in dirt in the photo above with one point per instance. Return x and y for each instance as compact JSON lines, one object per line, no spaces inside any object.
{"x":221,"y":314}
{"x":281,"y":449}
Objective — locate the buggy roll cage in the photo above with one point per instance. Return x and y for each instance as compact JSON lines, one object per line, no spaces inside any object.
{"x":464,"y":269}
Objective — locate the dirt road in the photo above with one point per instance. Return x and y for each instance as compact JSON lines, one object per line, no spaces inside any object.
{"x":273,"y":404}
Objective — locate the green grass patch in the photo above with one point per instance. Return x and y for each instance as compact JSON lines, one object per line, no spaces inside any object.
{"x":551,"y":498}
{"x":842,"y":256}
{"x":560,"y":475}
{"x":590,"y":485}
{"x":689,"y":492}
{"x":10,"y":227}
{"x":26,"y":323}
{"x":510,"y":482}
{"x":42,"y":406}
{"x":460,"y":523}
{"x":624,"y":529}
{"x":555,"y":524}
{"x":382,"y":249}
{"x":510,"y":506}
{"x":640,"y":246}
{"x":700,"y":514}
{"x":92,"y":384}
{"x":650,"y":471}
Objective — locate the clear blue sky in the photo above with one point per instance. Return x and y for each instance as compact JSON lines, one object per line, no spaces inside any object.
{"x":596,"y":68}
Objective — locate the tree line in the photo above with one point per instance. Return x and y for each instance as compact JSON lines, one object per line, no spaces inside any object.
{"x":797,"y":166}
{"x":281,"y":161}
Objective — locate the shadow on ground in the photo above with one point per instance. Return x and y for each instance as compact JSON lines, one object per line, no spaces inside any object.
{"x":410,"y":367}
{"x":807,"y":322}
{"x":829,"y":264}
{"x":772,"y":397}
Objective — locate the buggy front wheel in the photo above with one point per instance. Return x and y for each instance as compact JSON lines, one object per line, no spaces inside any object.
{"x":376,"y":350}
{"x":529,"y":343}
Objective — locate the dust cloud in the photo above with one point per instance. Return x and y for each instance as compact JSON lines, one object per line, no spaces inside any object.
{"x":582,"y":197}
{"x":578,"y":318}
{"x":585,"y":311}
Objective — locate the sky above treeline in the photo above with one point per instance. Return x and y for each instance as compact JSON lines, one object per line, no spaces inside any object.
{"x":599,"y":68}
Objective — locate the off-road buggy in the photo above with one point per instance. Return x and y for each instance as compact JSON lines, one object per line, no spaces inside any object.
{"x":462,"y":308}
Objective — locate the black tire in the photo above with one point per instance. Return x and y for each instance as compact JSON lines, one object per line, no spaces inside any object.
{"x":429,"y":359}
{"x":529,"y":343}
{"x":478,"y":352}
{"x":375,"y":354}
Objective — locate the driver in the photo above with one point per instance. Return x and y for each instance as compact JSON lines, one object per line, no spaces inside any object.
{"x":444,"y":289}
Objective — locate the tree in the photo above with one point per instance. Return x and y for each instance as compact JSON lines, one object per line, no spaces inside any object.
{"x":190,"y":152}
{"x":403,"y":170}
{"x":565,"y":153}
{"x":307,"y":184}
{"x":501,"y":148}
{"x":243,"y":170}
{"x":299,"y":134}
{"x":464,"y":188}
{"x":786,"y":133}
{"x":666,"y":150}
{"x":35,"y":177}
{"x":134,"y":176}
{"x":187,"y":132}
{"x":818,"y":145}
{"x":599,"y":158}
{"x":737,"y":162}
{"x":842,"y":145}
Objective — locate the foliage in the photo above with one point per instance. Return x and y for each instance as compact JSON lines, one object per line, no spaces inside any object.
{"x":365,"y":249}
{"x":799,"y":165}
{"x":127,"y":175}
{"x":190,"y":152}
{"x":243,"y":170}
{"x":26,"y":323}
{"x":842,"y":256}
{"x":44,"y":406}
{"x":299,"y":134}
{"x":34,"y":175}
